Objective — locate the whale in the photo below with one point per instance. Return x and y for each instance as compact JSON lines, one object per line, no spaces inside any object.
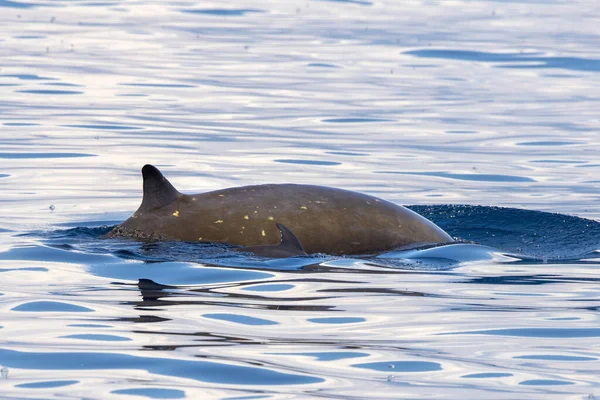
{"x":277,"y":220}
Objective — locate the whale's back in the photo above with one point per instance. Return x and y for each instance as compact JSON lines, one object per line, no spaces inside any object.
{"x":324,"y":219}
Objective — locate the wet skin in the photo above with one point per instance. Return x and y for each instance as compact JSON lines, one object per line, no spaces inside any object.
{"x":323,"y":219}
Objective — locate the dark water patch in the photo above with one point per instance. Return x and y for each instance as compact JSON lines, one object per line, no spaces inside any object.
{"x":531,"y":60}
{"x":104,"y":127}
{"x":535,"y":233}
{"x":554,"y":333}
{"x":159,"y":85}
{"x":89,"y":326}
{"x":20,"y":124}
{"x":322,"y":65}
{"x":466,"y":55}
{"x":50,"y":92}
{"x":97,"y":337}
{"x":487,"y":375}
{"x":355,"y":120}
{"x":223,"y":12}
{"x":204,"y":371}
{"x":402,"y":366}
{"x":548,"y":143}
{"x":545,"y":382}
{"x":558,"y":161}
{"x":44,"y":155}
{"x":29,"y":36}
{"x":461,"y":132}
{"x":153,"y":393}
{"x":46,"y":384}
{"x":528,"y":280}
{"x":64,"y":84}
{"x":50,"y":306}
{"x":465,"y":176}
{"x":131,"y":95}
{"x":307,"y":162}
{"x":4,"y":175}
{"x":240,"y":319}
{"x":337,"y":320}
{"x":28,"y":77}
{"x":551,"y":357}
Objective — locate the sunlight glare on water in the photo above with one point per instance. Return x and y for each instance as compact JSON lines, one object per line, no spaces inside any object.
{"x":478,"y":114}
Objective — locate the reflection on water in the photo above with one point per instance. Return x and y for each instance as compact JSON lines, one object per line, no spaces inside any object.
{"x":487,"y":103}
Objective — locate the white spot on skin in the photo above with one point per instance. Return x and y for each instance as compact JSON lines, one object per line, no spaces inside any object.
{"x":303,"y":208}
{"x":176,"y":213}
{"x":246,"y":217}
{"x":200,"y":238}
{"x":255,"y":212}
{"x":221,"y":195}
{"x":263,"y":233}
{"x":270,"y":218}
{"x":193,"y":199}
{"x":219,"y":221}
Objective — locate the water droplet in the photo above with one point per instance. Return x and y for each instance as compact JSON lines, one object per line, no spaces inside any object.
{"x":51,"y":207}
{"x":4,"y":372}
{"x":391,"y":378}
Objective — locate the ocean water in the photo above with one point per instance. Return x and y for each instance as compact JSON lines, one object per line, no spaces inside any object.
{"x":480,"y":115}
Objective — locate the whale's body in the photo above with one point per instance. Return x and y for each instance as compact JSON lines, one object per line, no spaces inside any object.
{"x":277,"y":219}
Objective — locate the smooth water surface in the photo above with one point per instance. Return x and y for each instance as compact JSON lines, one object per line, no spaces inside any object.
{"x":480,"y":115}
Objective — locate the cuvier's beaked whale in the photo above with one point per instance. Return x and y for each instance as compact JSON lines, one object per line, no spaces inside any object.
{"x":277,"y":220}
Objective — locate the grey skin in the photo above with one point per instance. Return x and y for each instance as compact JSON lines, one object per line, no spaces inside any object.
{"x":277,"y":220}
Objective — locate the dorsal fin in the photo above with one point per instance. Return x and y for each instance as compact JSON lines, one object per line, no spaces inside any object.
{"x":289,"y":240}
{"x":158,"y":191}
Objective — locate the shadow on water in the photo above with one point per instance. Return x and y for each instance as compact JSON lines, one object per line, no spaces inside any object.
{"x":528,"y":234}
